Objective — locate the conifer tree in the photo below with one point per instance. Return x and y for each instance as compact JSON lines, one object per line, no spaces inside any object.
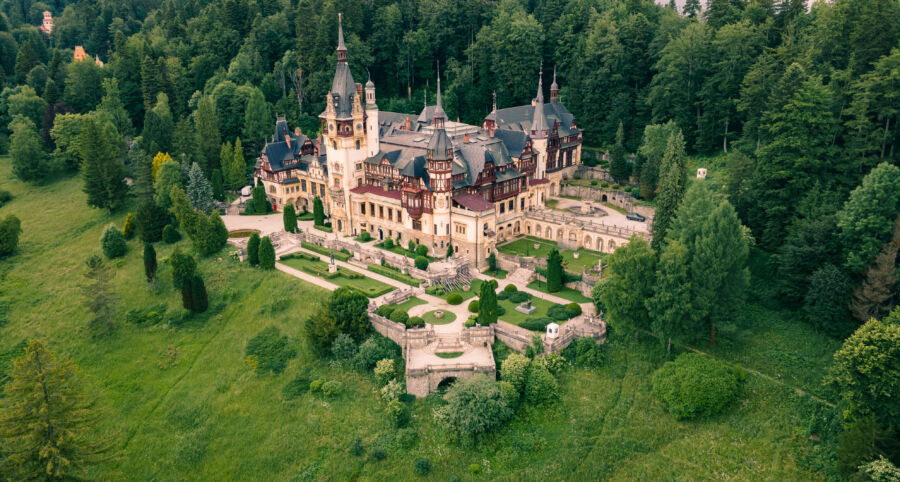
{"x":868,"y":218}
{"x":218,"y":189}
{"x":691,"y":8}
{"x":618,"y":166}
{"x":143,"y":178}
{"x":226,"y":158}
{"x":257,"y":119}
{"x":168,"y":176}
{"x":266,"y":253}
{"x":150,"y":81}
{"x":239,"y":166}
{"x":290,"y":218}
{"x":206,"y":124}
{"x":152,"y":219}
{"x":48,"y":420}
{"x":98,"y":297}
{"x":159,"y":126}
{"x":111,"y":108}
{"x":670,"y":306}
{"x":318,"y":212}
{"x":199,"y":297}
{"x":672,"y":184}
{"x":104,"y":179}
{"x":253,"y":249}
{"x":487,"y":304}
{"x":149,"y":261}
{"x":199,"y":190}
{"x":184,"y":141}
{"x":555,"y":273}
{"x":51,"y":92}
{"x":630,"y":280}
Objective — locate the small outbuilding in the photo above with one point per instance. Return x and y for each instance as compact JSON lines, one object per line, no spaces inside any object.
{"x":552,"y":330}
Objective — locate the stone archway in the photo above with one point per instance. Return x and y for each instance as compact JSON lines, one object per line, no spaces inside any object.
{"x":559,"y":234}
{"x":599,"y":244}
{"x":587,"y":241}
{"x":549,"y":233}
{"x":612,"y":246}
{"x":445,"y":383}
{"x":603,"y":198}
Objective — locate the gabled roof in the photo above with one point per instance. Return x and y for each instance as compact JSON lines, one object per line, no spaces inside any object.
{"x":519,"y":118}
{"x":514,"y":141}
{"x":473,"y":202}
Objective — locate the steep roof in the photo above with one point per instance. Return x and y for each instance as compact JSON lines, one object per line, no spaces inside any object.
{"x":473,"y":202}
{"x":517,"y":118}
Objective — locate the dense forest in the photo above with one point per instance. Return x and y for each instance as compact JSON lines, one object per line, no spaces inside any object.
{"x":801,"y":105}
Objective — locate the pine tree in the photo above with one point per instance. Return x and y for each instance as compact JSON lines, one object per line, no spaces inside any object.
{"x":152,"y":219}
{"x":876,"y":295}
{"x":149,"y":261}
{"x":199,"y":297}
{"x":691,"y":8}
{"x":253,"y":249}
{"x":290,"y":218}
{"x":630,"y":280}
{"x":51,"y":92}
{"x":218,"y":189}
{"x":26,"y":59}
{"x":318,"y":212}
{"x":487,"y":304}
{"x":206,"y":123}
{"x":150,"y":81}
{"x":239,"y":166}
{"x":111,"y":108}
{"x":143,"y":179}
{"x":555,"y":273}
{"x":670,"y":306}
{"x":184,"y":141}
{"x":159,"y":126}
{"x":199,"y":191}
{"x":257,"y":119}
{"x":104,"y":179}
{"x":266,"y":253}
{"x":47,"y":420}
{"x":98,"y":297}
{"x":672,"y":184}
{"x":618,"y":165}
{"x":226,"y":159}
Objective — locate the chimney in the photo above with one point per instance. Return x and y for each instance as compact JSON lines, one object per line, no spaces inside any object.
{"x":408,"y":127}
{"x":466,"y":137}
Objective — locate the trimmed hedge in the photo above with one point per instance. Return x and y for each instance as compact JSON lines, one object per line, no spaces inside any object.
{"x":519,"y":297}
{"x":558,"y":313}
{"x":536,"y":324}
{"x":510,"y":288}
{"x":454,"y":299}
{"x":393,"y":273}
{"x":473,"y":306}
{"x":342,"y":255}
{"x":415,"y":322}
{"x":385,"y":310}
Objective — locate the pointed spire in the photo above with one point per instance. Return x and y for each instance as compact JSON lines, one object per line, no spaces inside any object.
{"x":554,"y":88}
{"x":341,"y":49}
{"x":438,"y":110}
{"x":494,"y":109}
{"x":538,"y":122}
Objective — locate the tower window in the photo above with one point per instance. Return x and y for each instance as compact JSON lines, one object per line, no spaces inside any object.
{"x":357,"y":148}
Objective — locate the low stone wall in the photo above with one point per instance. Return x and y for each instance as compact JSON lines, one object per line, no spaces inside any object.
{"x":513,"y":336}
{"x":618,"y":198}
{"x":478,"y":336}
{"x":571,"y":332}
{"x":389,"y":329}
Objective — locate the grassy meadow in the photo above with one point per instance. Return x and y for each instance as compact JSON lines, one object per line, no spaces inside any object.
{"x":204,"y":414}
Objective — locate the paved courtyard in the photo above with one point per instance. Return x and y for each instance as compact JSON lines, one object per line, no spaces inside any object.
{"x":612,"y":218}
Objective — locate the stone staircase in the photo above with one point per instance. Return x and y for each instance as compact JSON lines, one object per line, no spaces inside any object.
{"x":448,"y":343}
{"x":520,"y":276}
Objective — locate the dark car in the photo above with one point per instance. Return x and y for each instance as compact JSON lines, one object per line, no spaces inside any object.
{"x":635,"y":217}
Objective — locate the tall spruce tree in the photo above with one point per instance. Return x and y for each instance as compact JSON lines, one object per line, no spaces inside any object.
{"x":630,"y":281}
{"x":111,"y":108}
{"x":149,"y":261}
{"x":867,"y":219}
{"x":672,"y":185}
{"x":199,"y":190}
{"x":48,"y":421}
{"x":239,"y":166}
{"x":555,"y":274}
{"x":218,"y":187}
{"x":618,"y":165}
{"x":257,"y":119}
{"x":487,"y":304}
{"x":104,"y":178}
{"x":143,"y":178}
{"x":318,"y":212}
{"x":290,"y":218}
{"x":206,"y":124}
{"x":253,"y":249}
{"x":670,"y":306}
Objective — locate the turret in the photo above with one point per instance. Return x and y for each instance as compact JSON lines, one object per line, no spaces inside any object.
{"x":554,"y":89}
{"x":440,"y":150}
{"x":538,"y":121}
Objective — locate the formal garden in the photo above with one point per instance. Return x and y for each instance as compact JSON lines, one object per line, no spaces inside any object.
{"x":314,"y":265}
{"x":526,"y":247}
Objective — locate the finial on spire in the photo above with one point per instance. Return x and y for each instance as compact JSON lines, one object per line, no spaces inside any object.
{"x":439,"y":115}
{"x":494,"y":109}
{"x":554,"y":88}
{"x":341,"y":49}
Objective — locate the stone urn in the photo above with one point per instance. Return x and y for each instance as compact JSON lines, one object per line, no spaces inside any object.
{"x":439,"y":314}
{"x":467,"y":288}
{"x":537,"y":245}
{"x":575,"y":254}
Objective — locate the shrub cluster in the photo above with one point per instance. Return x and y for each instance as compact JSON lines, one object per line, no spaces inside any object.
{"x":271,"y":350}
{"x":473,"y":306}
{"x":364,"y":237}
{"x":560,"y":313}
{"x":454,"y":299}
{"x":170,"y":235}
{"x":5,"y":197}
{"x":437,"y":290}
{"x":421,"y":262}
{"x":415,"y":322}
{"x":153,"y":315}
{"x":519,"y":297}
{"x":113,"y":242}
{"x":394,"y":273}
{"x":385,"y":310}
{"x":296,"y":387}
{"x":536,"y":323}
{"x":585,"y":352}
{"x":695,"y":385}
{"x":510,"y":288}
{"x":399,"y":316}
{"x":388,"y":243}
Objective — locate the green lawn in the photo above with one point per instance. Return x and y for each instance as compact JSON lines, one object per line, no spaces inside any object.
{"x":516,"y":318}
{"x":474,"y":288}
{"x":345,"y":277}
{"x":499,"y":274}
{"x":396,"y":248}
{"x":412,"y":301}
{"x":615,"y":208}
{"x":452,"y":354}
{"x":208,"y":416}
{"x":564,"y":293}
{"x":449,"y":317}
{"x":525,"y":247}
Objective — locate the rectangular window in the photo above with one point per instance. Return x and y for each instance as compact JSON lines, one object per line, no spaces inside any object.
{"x":381,"y":212}
{"x":511,"y":205}
{"x":303,"y":185}
{"x":522,"y":204}
{"x":362,"y":208}
{"x":502,"y":208}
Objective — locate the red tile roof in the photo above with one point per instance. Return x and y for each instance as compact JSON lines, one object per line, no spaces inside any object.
{"x":535,"y":182}
{"x":367,"y":189}
{"x":473,"y":202}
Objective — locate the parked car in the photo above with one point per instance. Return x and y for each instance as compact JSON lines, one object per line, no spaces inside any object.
{"x":635,"y":217}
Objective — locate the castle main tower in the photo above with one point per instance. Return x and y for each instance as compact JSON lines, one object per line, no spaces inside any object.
{"x":346,"y":136}
{"x":440,"y":175}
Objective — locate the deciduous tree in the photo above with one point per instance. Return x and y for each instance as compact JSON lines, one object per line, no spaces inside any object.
{"x":630,"y":282}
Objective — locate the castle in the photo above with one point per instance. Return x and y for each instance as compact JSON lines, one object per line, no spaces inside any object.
{"x":427,"y":180}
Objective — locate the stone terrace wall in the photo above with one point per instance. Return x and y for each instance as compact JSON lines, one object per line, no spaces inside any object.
{"x":513,"y":336}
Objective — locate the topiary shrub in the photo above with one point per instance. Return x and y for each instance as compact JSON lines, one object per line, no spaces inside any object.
{"x":421,"y":263}
{"x":594,"y":182}
{"x":170,"y":235}
{"x":471,"y":321}
{"x":473,"y":306}
{"x":271,"y":349}
{"x":558,"y":313}
{"x":510,"y":288}
{"x":454,"y":299}
{"x":519,"y":297}
{"x":694,"y":385}
{"x":574,"y":309}
{"x":399,"y":316}
{"x":385,"y":310}
{"x":365,"y":236}
{"x":423,"y":467}
{"x":113,"y":242}
{"x":415,"y":322}
{"x":422,"y":250}
{"x":388,"y":243}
